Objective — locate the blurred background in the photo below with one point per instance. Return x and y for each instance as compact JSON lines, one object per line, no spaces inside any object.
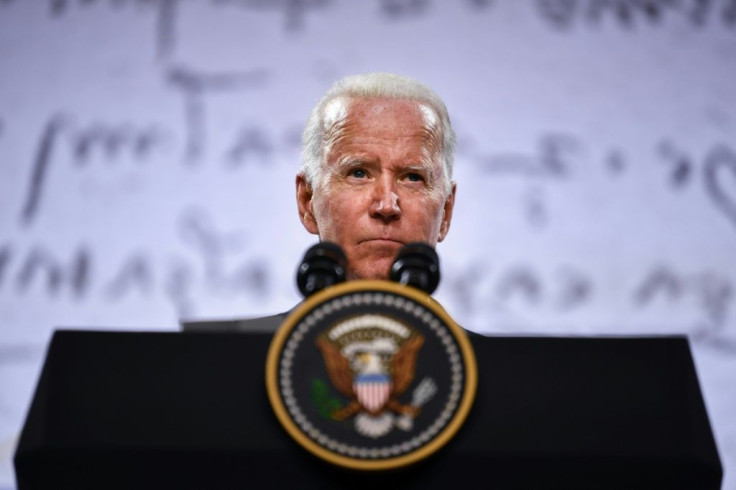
{"x":148,"y":150}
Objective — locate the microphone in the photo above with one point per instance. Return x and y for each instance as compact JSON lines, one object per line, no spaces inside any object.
{"x":417,"y":264}
{"x":324,"y":265}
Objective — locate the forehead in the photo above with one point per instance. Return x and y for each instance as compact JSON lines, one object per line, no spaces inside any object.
{"x":388,"y":116}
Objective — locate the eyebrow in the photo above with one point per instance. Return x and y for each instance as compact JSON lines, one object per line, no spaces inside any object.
{"x":348,"y":162}
{"x":420,"y":168}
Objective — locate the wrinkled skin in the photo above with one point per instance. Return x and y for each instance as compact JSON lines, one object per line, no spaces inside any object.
{"x":382,"y":187}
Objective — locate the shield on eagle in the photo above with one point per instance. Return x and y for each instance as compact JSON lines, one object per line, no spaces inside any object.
{"x":372,"y":390}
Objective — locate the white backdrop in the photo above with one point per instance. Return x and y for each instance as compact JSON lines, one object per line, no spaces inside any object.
{"x":148,"y":151}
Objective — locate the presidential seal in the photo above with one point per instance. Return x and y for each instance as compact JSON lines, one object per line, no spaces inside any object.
{"x":371,"y":375}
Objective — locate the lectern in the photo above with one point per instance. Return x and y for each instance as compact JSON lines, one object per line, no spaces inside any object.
{"x":189,"y":411}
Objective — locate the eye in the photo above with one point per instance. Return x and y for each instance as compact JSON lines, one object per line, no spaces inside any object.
{"x":414,"y":177}
{"x":358,"y":173}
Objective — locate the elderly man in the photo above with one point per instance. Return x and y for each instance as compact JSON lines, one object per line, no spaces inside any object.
{"x":377,"y":170}
{"x":376,"y":174}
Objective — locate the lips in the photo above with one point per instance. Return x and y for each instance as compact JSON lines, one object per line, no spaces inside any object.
{"x":387,"y":241}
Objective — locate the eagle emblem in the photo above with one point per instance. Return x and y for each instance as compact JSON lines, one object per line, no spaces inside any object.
{"x":371,"y":361}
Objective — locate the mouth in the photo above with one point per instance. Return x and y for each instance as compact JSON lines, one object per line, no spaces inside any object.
{"x":381,"y":241}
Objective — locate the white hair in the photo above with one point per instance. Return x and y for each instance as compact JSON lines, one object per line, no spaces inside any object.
{"x":323,"y":125}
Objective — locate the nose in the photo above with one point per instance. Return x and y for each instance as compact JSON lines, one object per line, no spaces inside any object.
{"x":385,"y":201}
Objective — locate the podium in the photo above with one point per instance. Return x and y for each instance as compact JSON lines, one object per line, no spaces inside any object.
{"x":189,"y":410}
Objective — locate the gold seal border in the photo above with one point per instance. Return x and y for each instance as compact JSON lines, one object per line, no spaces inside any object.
{"x":277,"y":344}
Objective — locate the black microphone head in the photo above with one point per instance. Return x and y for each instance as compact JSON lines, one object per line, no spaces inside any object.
{"x":324,"y":264}
{"x":417,"y":264}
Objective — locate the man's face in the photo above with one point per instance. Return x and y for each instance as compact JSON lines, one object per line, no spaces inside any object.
{"x":382,"y":185}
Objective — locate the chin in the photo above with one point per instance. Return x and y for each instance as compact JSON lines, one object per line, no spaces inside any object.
{"x":373,"y":260}
{"x":373,"y":272}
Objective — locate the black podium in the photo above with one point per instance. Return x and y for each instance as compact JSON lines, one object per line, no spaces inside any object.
{"x":189,"y":410}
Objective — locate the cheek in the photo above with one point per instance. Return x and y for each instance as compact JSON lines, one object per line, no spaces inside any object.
{"x":336,"y":215}
{"x":433,"y":218}
{"x":323,"y":216}
{"x":425,"y":218}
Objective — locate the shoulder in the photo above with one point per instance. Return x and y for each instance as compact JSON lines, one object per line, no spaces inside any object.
{"x":265,"y":324}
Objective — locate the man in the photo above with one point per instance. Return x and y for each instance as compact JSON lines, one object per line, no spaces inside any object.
{"x":377,"y":170}
{"x":376,"y":174}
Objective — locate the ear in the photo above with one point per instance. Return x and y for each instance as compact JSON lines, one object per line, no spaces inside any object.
{"x":304,"y":204}
{"x":447,"y":213}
